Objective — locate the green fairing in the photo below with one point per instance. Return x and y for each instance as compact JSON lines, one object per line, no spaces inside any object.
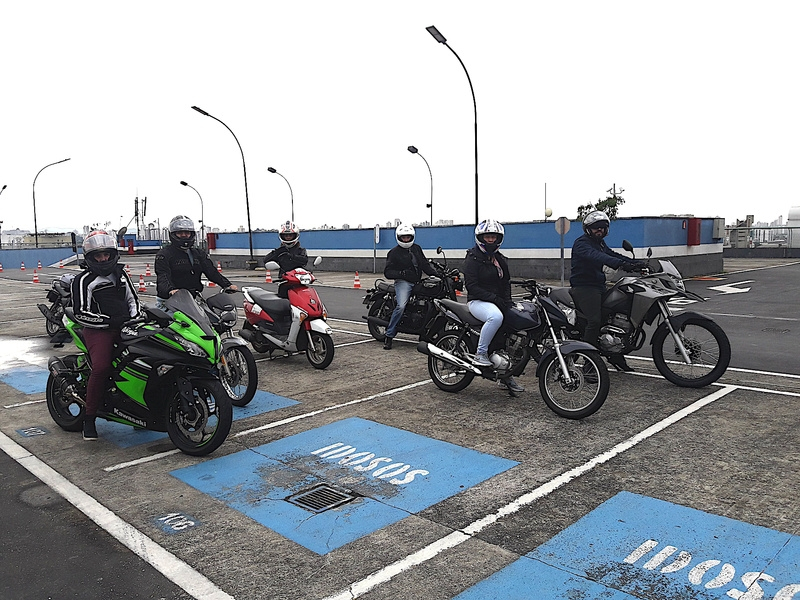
{"x":132,"y":385}
{"x":195,"y":334}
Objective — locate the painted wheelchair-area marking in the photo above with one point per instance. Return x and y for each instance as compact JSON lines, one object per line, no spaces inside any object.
{"x":392,"y":472}
{"x":26,"y":379}
{"x":637,"y":547}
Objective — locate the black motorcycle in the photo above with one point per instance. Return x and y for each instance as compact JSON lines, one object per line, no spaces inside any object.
{"x":164,"y":378}
{"x":60,"y":297}
{"x":573,"y":379}
{"x":420,"y":310}
{"x":689,"y":349}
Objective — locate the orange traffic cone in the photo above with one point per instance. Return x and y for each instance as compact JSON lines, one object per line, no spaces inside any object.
{"x":141,"y":283}
{"x":40,"y":265}
{"x":35,"y":276}
{"x":60,"y":263}
{"x":357,"y":282}
{"x":128,"y":270}
{"x":1,"y":267}
{"x":147,"y":271}
{"x":212,"y":284}
{"x":219,"y":267}
{"x":268,"y":278}
{"x":22,"y":268}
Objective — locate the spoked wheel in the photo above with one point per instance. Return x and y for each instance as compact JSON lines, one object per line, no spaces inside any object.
{"x":320,"y":350}
{"x":201,"y":427}
{"x":383,"y":310}
{"x":63,"y":403}
{"x":518,"y":352}
{"x":448,"y":377}
{"x":52,"y":327}
{"x":242,"y":381}
{"x":586,"y":390}
{"x":708,"y":349}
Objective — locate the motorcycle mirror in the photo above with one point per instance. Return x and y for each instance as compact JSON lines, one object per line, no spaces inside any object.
{"x":317,"y":260}
{"x":627,"y":246}
{"x":649,"y":252}
{"x":272,"y":266}
{"x":439,"y":250}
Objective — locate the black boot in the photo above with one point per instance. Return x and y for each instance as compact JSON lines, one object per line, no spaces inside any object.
{"x":89,"y":429}
{"x":387,"y":343}
{"x":619,"y":363}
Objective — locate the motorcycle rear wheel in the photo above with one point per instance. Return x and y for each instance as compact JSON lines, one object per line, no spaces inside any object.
{"x":382,"y":309}
{"x":57,"y":310}
{"x":448,"y":377}
{"x":707,"y":345}
{"x":242,"y":383}
{"x":320,"y":351}
{"x":202,"y":430}
{"x":65,"y":410}
{"x":586,"y":392}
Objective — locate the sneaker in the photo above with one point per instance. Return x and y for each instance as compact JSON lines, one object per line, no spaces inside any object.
{"x":387,"y":343}
{"x":481,"y":360}
{"x":89,"y":429}
{"x":511,"y":384}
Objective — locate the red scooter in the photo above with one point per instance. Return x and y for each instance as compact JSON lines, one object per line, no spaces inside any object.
{"x":296,"y":324}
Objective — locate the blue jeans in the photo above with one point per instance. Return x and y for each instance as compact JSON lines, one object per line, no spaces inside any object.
{"x":402,"y":290}
{"x":492,"y":318}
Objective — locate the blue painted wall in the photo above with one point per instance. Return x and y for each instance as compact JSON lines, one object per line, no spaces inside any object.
{"x":13,"y":258}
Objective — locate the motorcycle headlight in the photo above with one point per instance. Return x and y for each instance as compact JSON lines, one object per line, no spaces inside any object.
{"x":192,"y":348}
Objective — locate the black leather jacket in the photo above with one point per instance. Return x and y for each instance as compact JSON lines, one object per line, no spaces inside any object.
{"x":400,"y":264}
{"x":288,"y":258}
{"x":174,"y":270}
{"x":101,"y":302}
{"x":483,"y":280}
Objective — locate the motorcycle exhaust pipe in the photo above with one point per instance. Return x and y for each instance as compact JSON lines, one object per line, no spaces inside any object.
{"x":432,"y":350}
{"x":48,"y":314}
{"x":247,"y":335}
{"x":377,"y":321}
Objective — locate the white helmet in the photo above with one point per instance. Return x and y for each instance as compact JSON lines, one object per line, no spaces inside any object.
{"x":289,"y":234}
{"x":489,"y":226}
{"x":404,"y":231}
{"x":96,"y":242}
{"x":596,"y":220}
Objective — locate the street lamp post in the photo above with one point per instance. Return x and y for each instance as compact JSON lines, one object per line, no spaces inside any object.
{"x":202,"y":217}
{"x":271,"y":170}
{"x":442,"y":40}
{"x":35,"y":227}
{"x":251,"y":264}
{"x":414,"y":150}
{"x":1,"y":223}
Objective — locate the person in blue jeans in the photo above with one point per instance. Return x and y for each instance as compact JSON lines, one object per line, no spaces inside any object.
{"x":488,"y":283}
{"x":405,"y":263}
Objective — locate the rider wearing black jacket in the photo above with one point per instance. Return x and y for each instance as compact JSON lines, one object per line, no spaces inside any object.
{"x":180,"y":265}
{"x":289,"y":255}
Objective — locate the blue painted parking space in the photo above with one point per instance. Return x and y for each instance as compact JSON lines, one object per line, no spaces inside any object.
{"x":634,"y":546}
{"x":391,"y":472}
{"x":28,"y":380}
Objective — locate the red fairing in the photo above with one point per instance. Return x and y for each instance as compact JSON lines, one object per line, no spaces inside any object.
{"x":306,"y":298}
{"x":253,"y":318}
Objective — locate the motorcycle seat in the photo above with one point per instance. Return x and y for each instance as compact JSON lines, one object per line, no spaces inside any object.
{"x":462,"y":312}
{"x":220,"y":303}
{"x":385,"y":286}
{"x":561,"y":294}
{"x":271,"y":302}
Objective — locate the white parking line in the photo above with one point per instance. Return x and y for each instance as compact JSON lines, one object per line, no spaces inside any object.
{"x":455,"y":538}
{"x":137,"y":542}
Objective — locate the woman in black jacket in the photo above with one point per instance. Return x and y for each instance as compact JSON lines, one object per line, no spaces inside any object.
{"x":488,"y":283}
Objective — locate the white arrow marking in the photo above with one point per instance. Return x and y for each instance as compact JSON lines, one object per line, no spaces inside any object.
{"x":729,"y":289}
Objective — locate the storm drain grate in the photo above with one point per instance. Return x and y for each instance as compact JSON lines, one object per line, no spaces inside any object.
{"x":320,"y":498}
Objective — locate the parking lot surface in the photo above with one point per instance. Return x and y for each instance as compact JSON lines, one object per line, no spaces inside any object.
{"x":664,"y":493}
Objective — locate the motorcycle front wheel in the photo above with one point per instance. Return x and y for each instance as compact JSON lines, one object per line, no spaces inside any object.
{"x":242,"y":382}
{"x":707,"y":346}
{"x":52,"y":327}
{"x":586,"y":391}
{"x":382,"y":309}
{"x":320,"y":350}
{"x":201,"y":427}
{"x":446,"y":376}
{"x":62,"y":405}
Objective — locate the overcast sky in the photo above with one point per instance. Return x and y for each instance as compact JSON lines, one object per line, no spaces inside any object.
{"x":690,"y":106}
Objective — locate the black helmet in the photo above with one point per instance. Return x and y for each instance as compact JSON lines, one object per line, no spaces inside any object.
{"x":93,"y":244}
{"x":182,"y":223}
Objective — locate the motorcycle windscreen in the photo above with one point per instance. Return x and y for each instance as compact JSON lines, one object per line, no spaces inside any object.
{"x":182,"y":301}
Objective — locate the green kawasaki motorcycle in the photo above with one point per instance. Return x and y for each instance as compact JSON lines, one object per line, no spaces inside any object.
{"x":164,"y":378}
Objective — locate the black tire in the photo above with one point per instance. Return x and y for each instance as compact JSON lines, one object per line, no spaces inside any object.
{"x":587,"y":390}
{"x":203,"y":430}
{"x":382,"y":309}
{"x":320,"y":350}
{"x":518,"y":352}
{"x":242,"y":384}
{"x":57,"y":310}
{"x":65,"y":410}
{"x":448,"y":377}
{"x":708,"y":347}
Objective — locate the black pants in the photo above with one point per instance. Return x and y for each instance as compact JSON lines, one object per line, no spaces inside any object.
{"x":589,"y":301}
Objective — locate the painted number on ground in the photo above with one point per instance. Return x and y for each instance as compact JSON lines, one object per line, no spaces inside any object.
{"x":176,"y":522}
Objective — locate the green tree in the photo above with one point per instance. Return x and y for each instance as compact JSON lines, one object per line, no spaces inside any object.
{"x":609,"y":205}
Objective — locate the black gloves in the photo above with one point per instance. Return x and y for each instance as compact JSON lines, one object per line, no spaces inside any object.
{"x":409,"y":275}
{"x":632,"y":267}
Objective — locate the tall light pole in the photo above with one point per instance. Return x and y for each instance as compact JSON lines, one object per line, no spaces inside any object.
{"x":251,"y":264}
{"x":35,"y":228}
{"x":202,"y":218}
{"x":271,"y":170}
{"x":442,"y":40}
{"x":1,"y":223}
{"x":414,"y":150}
